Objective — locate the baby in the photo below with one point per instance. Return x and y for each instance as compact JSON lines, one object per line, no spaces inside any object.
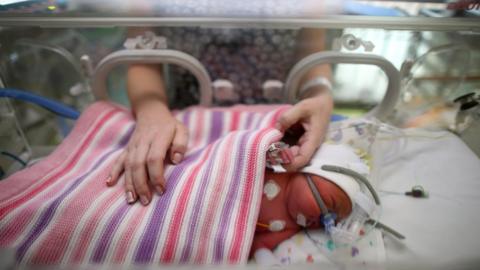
{"x":289,"y":204}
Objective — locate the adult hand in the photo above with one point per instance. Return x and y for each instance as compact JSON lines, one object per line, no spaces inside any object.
{"x":307,"y":124}
{"x":157,"y":136}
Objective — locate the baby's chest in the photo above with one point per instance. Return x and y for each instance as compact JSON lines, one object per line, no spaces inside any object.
{"x":274,"y":215}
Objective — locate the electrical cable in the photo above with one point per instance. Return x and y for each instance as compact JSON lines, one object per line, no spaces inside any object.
{"x":416,"y":192}
{"x":14,"y":157}
{"x":379,"y":225}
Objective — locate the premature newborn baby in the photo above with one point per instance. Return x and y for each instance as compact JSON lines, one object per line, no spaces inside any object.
{"x":288,"y":203}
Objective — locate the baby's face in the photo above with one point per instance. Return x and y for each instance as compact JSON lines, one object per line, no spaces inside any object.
{"x":301,"y":203}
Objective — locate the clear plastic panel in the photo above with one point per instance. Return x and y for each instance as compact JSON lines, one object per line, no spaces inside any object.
{"x":248,"y":49}
{"x":255,"y":62}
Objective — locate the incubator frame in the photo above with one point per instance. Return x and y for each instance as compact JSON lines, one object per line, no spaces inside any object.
{"x":151,"y":56}
{"x":129,"y":56}
{"x":331,"y":22}
{"x":137,"y":54}
{"x":382,"y":110}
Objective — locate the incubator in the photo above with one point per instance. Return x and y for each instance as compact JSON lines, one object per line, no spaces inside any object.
{"x":404,"y":76}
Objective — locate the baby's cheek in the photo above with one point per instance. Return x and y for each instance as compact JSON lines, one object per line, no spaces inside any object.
{"x":301,"y":203}
{"x":341,"y":203}
{"x":312,"y":222}
{"x":335,"y":198}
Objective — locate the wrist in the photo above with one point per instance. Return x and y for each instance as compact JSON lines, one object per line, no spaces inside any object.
{"x":314,"y":87}
{"x":149,"y":109}
{"x":322,"y":100}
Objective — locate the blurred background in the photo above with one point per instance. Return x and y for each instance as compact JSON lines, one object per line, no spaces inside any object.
{"x":51,"y":48}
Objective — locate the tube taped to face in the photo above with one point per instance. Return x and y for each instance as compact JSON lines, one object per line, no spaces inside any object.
{"x":340,"y":165}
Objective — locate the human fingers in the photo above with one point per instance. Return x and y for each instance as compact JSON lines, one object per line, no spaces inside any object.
{"x":307,"y":145}
{"x":291,"y":117}
{"x":130,"y":166}
{"x":155,"y":161}
{"x":310,"y":141}
{"x":117,"y":169}
{"x":179,"y":143}
{"x":306,"y":150}
{"x":139,"y":172}
{"x":129,"y":188}
{"x":302,"y":156}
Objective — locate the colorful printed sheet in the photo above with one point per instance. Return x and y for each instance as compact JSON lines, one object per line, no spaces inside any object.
{"x":318,"y":248}
{"x":59,"y":211}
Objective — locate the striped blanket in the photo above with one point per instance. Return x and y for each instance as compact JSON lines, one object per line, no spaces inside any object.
{"x":59,"y":211}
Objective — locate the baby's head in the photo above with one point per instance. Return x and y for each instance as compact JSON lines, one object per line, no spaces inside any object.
{"x":336,"y":190}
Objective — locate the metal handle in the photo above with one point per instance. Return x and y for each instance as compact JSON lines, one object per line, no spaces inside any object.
{"x":380,"y":111}
{"x":151,"y":56}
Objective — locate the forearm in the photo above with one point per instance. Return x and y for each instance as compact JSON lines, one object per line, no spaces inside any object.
{"x":157,"y":138}
{"x":312,"y":41}
{"x":146,"y":89}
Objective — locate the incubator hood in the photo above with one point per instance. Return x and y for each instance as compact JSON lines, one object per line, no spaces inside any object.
{"x":414,"y":58}
{"x":407,"y":64}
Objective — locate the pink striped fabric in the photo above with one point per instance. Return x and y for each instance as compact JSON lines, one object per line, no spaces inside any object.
{"x":60,"y":212}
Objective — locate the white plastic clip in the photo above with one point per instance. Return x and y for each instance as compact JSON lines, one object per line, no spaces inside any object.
{"x":146,"y":41}
{"x":351,"y":43}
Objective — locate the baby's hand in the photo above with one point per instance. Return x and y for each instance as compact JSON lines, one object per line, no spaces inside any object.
{"x":279,"y":153}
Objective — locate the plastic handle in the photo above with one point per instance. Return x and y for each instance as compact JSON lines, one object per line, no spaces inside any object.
{"x":328,"y":57}
{"x":151,"y":56}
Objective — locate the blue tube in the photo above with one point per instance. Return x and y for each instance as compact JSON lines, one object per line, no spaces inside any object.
{"x":64,"y":110}
{"x":53,"y":106}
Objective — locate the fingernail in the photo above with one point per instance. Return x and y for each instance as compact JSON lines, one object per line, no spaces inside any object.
{"x":159,"y":189}
{"x":130,"y":197}
{"x":144,"y":200}
{"x":289,"y":154}
{"x":177,"y":157}
{"x":285,"y":158}
{"x":109,"y":179}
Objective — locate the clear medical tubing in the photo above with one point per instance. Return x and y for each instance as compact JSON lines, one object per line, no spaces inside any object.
{"x":381,"y":111}
{"x":345,"y":230}
{"x":149,"y":56}
{"x":348,"y":230}
{"x":384,"y":227}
